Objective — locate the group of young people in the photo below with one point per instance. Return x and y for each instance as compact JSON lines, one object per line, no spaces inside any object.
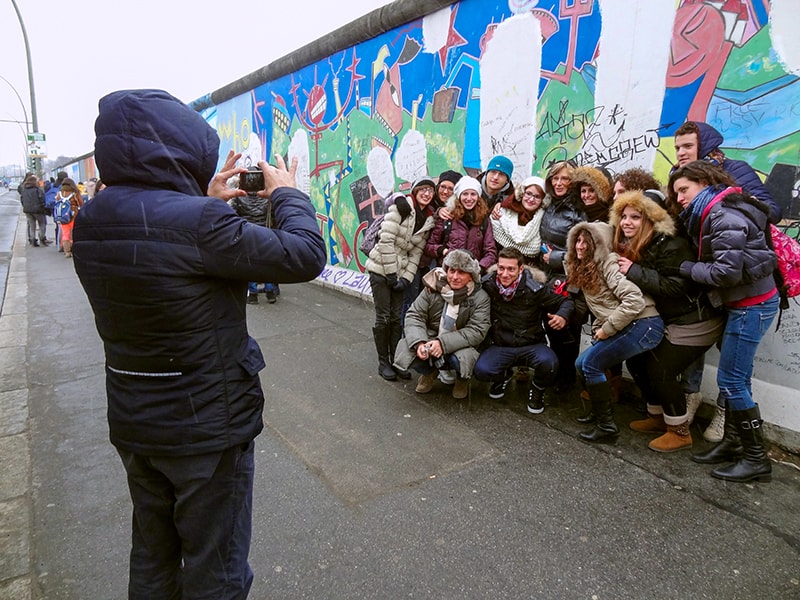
{"x":479,"y":278}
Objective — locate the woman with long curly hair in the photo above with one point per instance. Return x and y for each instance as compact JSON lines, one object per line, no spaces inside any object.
{"x":626,"y":321}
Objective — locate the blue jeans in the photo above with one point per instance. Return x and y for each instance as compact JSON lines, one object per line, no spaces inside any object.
{"x":495,"y":360}
{"x":191,"y":524}
{"x":743,"y":332}
{"x":639,"y":336}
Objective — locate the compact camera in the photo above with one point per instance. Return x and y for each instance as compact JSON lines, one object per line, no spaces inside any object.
{"x":251,"y":181}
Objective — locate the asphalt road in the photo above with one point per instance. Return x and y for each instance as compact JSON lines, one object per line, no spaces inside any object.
{"x":366,"y":490}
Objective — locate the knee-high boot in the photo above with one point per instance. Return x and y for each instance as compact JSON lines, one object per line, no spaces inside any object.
{"x":395,"y":333}
{"x":754,"y":464}
{"x":728,"y":450}
{"x":380,"y":334}
{"x":605,"y":430}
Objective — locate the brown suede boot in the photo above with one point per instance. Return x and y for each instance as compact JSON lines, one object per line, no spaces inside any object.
{"x":425,"y":382}
{"x":677,"y":437}
{"x":68,"y":248}
{"x":654,"y":423}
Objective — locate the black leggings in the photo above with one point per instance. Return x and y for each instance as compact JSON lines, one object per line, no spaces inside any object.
{"x":657,"y":373}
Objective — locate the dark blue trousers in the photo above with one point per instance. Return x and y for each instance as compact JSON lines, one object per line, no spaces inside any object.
{"x":495,"y":360}
{"x":191,"y":524}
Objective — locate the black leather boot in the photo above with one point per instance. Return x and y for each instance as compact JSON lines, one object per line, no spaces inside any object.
{"x":754,"y":463}
{"x":381,"y":337}
{"x":605,"y":431}
{"x":728,"y":450}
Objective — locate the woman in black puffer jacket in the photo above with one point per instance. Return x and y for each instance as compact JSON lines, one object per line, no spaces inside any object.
{"x":734,"y":259}
{"x":651,"y":252}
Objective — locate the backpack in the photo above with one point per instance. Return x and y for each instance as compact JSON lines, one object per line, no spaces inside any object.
{"x":50,"y":198}
{"x":787,"y":250}
{"x":371,"y":235}
{"x":62,"y":210}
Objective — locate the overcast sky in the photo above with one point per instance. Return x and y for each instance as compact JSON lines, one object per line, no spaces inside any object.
{"x":83,"y":49}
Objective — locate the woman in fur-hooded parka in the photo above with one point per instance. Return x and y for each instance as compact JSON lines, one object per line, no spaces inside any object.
{"x":650,"y":255}
{"x":626,"y":320}
{"x":597,"y":208}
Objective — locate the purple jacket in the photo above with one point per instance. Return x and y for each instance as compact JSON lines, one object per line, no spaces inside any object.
{"x":479,"y":241}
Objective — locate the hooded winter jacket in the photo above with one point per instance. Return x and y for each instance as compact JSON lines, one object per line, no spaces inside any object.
{"x":166,"y":267}
{"x":733,"y":254}
{"x":742,"y":173}
{"x":678,"y":299}
{"x":31,"y":196}
{"x":620,"y":301}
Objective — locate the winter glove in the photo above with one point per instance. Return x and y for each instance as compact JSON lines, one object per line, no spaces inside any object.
{"x":403,"y":207}
{"x":391,"y":279}
{"x":686,"y":269}
{"x":401,"y":285}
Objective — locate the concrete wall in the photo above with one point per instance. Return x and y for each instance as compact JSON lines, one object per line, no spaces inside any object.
{"x":420,"y":87}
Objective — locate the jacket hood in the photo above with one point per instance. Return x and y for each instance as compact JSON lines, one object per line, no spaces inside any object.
{"x":662,"y":221}
{"x":595,"y":178}
{"x":709,"y":139}
{"x":601,"y":233}
{"x":149,"y":138}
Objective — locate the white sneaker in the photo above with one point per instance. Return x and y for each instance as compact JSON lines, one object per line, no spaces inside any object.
{"x":447,"y":377}
{"x":693,"y":402}
{"x":716,"y":428}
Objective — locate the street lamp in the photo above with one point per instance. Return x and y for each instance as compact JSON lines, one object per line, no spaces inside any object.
{"x":37,"y":163}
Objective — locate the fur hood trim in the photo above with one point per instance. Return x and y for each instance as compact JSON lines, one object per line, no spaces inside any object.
{"x":602,"y":234}
{"x":662,"y":221}
{"x":595,"y":178}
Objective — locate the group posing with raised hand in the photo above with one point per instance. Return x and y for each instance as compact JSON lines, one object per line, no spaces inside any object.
{"x":480,"y":278}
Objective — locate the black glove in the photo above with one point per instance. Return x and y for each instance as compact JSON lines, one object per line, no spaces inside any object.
{"x":391,"y":279}
{"x":401,"y":284}
{"x":403,"y":207}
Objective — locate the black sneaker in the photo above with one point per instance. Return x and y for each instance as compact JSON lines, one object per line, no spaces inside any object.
{"x":498,"y":388}
{"x":252,"y":298}
{"x":535,"y":399}
{"x":272,"y":298}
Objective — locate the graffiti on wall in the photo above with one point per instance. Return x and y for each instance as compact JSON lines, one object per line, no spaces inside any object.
{"x":601,"y":82}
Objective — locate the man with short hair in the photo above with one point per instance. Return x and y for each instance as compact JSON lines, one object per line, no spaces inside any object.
{"x":165,"y":263}
{"x":446,"y":323}
{"x":521,"y":301}
{"x":695,"y":140}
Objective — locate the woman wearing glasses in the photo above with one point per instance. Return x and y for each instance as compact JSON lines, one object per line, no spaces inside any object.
{"x":519,"y":223}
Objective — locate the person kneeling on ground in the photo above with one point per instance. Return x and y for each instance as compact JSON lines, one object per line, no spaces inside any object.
{"x":521,"y":301}
{"x":446,"y":323}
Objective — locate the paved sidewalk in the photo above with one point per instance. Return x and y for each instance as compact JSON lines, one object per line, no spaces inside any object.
{"x":366,"y":490}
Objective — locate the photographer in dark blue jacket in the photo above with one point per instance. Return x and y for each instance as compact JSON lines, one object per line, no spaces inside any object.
{"x":165,"y":266}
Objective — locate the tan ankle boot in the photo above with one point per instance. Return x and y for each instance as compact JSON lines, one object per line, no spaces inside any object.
{"x":716,"y":428}
{"x":654,"y":423}
{"x":693,"y":402}
{"x":461,"y":389}
{"x":677,"y":437}
{"x":425,"y":383}
{"x":67,"y":248}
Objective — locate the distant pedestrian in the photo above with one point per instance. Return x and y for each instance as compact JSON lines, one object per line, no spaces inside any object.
{"x":32,"y":199}
{"x":70,"y":193}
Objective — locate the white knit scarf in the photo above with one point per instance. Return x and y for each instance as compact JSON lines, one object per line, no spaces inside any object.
{"x":510,"y":234}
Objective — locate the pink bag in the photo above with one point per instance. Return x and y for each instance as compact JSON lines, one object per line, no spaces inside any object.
{"x":788,"y":252}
